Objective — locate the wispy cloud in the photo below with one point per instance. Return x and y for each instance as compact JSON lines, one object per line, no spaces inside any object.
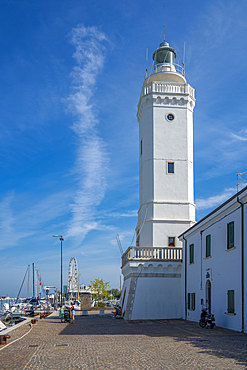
{"x":30,"y":218}
{"x":6,"y":218}
{"x":10,"y":234}
{"x":216,"y":26}
{"x":215,"y":200}
{"x":241,"y":136}
{"x":92,"y":160}
{"x":220,"y":145}
{"x":218,"y":22}
{"x":121,"y":214}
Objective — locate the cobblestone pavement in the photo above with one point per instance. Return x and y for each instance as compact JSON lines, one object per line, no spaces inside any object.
{"x":99,"y":342}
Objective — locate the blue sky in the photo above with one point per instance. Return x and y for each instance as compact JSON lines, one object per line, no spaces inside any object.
{"x":71,"y":74}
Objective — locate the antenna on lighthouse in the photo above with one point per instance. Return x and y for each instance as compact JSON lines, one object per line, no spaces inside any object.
{"x":164,"y":24}
{"x":146,"y":59}
{"x":184,"y":60}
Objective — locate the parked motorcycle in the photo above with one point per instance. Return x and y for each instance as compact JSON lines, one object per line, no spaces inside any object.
{"x":207,"y":320}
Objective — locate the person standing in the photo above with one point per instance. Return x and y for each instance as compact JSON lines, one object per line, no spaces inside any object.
{"x":72,"y":309}
{"x":61,"y":313}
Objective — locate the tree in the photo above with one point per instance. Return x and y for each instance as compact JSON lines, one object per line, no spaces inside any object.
{"x":98,"y":288}
{"x":115,"y":292}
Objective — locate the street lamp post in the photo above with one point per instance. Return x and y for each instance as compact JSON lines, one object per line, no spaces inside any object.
{"x":61,"y":238}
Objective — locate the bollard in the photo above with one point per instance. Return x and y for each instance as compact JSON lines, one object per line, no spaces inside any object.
{"x":84,"y":312}
{"x":101,"y":312}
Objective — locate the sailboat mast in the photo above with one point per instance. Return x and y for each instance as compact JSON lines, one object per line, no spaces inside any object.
{"x":33,"y":280}
{"x":28,"y":281}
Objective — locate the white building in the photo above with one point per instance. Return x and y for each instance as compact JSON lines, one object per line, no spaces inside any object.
{"x":159,"y":280}
{"x":152,"y":269}
{"x":215,"y":265}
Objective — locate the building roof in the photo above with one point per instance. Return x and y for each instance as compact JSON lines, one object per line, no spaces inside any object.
{"x":214,"y":211}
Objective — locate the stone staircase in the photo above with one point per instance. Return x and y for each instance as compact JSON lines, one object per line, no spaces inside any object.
{"x":131,"y":298}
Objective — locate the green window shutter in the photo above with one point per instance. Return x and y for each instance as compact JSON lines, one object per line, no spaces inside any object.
{"x":230,"y":307}
{"x":191,"y":301}
{"x":191,"y":253}
{"x":208,"y":245}
{"x":188,"y":301}
{"x":193,"y":298}
{"x":230,"y":235}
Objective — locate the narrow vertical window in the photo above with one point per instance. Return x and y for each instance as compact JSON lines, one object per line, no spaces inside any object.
{"x":123,"y":298}
{"x":141,"y":147}
{"x":188,"y":301}
{"x":191,"y":253}
{"x":137,"y":237}
{"x":193,"y":301}
{"x":171,"y":241}
{"x":230,"y":235}
{"x":170,"y":167}
{"x":230,"y":308}
{"x":208,"y":245}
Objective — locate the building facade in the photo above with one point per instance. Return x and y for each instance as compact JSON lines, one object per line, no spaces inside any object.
{"x":215,"y":265}
{"x":152,"y":268}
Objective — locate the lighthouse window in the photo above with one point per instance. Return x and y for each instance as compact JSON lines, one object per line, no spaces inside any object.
{"x":171,"y":241}
{"x":170,"y":167}
{"x":141,"y":147}
{"x":170,"y":117}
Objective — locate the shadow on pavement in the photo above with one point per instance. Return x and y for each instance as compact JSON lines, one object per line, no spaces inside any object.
{"x":218,"y":342}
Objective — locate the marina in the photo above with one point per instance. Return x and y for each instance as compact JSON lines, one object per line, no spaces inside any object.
{"x":47,"y":299}
{"x":14,"y":311}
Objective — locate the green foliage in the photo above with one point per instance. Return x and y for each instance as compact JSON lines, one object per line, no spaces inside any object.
{"x":115,"y":292}
{"x":101,"y":304}
{"x":98,"y":288}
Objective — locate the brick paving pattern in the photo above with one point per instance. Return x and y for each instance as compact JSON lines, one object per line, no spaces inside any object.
{"x":99,"y":342}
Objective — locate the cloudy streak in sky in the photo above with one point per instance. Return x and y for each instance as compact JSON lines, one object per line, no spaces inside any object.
{"x":215,"y":200}
{"x":91,"y":157}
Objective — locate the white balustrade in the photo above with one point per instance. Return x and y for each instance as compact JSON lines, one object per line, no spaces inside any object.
{"x":168,"y":88}
{"x":166,"y":67}
{"x":152,"y":253}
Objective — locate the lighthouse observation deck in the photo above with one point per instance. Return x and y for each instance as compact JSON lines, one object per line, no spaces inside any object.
{"x":136,"y":253}
{"x":165,"y":67}
{"x":167,"y":87}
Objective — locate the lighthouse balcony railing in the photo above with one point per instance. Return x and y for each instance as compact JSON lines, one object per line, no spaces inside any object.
{"x":159,"y":87}
{"x":165,"y":67}
{"x":136,"y":253}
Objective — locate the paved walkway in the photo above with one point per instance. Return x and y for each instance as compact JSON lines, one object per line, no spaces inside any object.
{"x":99,"y":342}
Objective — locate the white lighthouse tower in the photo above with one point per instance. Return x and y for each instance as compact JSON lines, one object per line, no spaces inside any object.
{"x":152,"y":268}
{"x":165,"y":116}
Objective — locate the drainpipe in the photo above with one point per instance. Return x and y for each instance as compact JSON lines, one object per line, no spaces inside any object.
{"x":185,"y":275}
{"x":242,"y":259}
{"x":201,"y":258}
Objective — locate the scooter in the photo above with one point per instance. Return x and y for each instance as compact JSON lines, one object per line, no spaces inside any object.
{"x":207,"y":320}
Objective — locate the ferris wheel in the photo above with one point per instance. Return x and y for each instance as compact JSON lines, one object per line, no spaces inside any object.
{"x":73,"y":275}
